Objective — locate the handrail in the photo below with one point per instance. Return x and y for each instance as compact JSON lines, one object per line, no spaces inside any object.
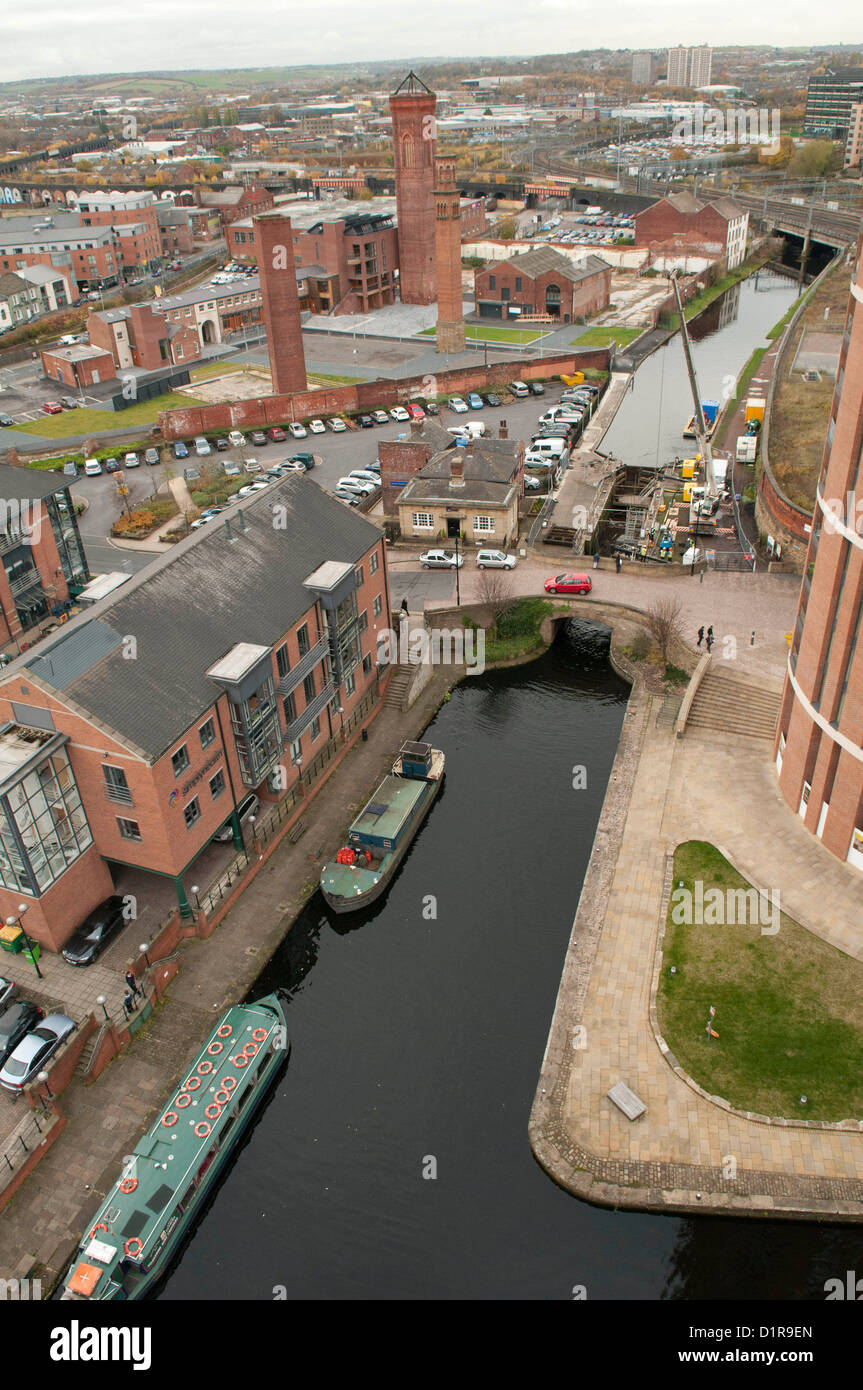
{"x":691,"y":690}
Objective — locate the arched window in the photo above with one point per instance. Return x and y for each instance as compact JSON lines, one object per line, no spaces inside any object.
{"x":407,"y":152}
{"x":552,"y":300}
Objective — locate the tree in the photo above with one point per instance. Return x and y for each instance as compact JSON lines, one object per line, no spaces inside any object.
{"x":664,"y":622}
{"x":811,"y":160}
{"x":506,"y":229}
{"x":496,"y":594}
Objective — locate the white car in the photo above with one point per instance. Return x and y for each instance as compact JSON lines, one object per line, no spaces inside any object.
{"x":458,"y":405}
{"x":202,"y":447}
{"x":441,"y":560}
{"x":92,"y":467}
{"x":132,"y":461}
{"x":365,"y":475}
{"x":337,"y":424}
{"x":297,"y":431}
{"x":531,"y":484}
{"x":236,"y":439}
{"x":231,"y":470}
{"x":380,"y":417}
{"x":356,"y":485}
{"x":252,"y":465}
{"x":399,"y":413}
{"x":472,"y":428}
{"x":317,"y":427}
{"x":495,"y":560}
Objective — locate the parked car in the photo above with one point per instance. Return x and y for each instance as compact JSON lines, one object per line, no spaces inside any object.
{"x":8,"y":993}
{"x":337,"y":424}
{"x":52,"y":408}
{"x":258,"y":438}
{"x":151,"y":456}
{"x":365,"y":422}
{"x":236,"y":439}
{"x":5,"y":420}
{"x":365,"y":475}
{"x":252,"y":465}
{"x":475,"y":401}
{"x":495,"y":560}
{"x":231,"y":470}
{"x":180,"y":450}
{"x":248,"y":807}
{"x":374,"y":467}
{"x":70,"y":469}
{"x":192,"y":475}
{"x":68,"y":402}
{"x":112,"y":465}
{"x":458,"y":405}
{"x":416,"y":412}
{"x":131,"y":461}
{"x":431,"y":407}
{"x":569,"y":584}
{"x":353,"y":499}
{"x":441,"y":560}
{"x":221,"y":443}
{"x":491,"y":399}
{"x":202,"y":446}
{"x":33,"y":1051}
{"x":174,"y":265}
{"x":92,"y":467}
{"x":518,"y":388}
{"x":471,"y":428}
{"x":536,"y":388}
{"x":531,"y":484}
{"x":307,"y":460}
{"x":297,"y":431}
{"x":317,"y":427}
{"x":277,"y":434}
{"x":347,"y":484}
{"x":380,"y":417}
{"x":16,"y":1023}
{"x":399,"y":413}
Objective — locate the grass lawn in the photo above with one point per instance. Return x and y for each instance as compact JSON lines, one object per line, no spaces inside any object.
{"x":518,"y":630}
{"x":478,"y":333}
{"x":322,"y":379}
{"x":601,"y":337}
{"x":85,"y":421}
{"x":789,"y":1007}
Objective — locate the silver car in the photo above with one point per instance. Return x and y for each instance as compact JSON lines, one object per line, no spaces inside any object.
{"x":441,"y":560}
{"x":33,"y":1051}
{"x":495,"y":560}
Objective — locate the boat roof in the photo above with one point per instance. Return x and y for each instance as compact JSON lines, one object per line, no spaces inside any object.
{"x":166,"y":1159}
{"x":389,"y":808}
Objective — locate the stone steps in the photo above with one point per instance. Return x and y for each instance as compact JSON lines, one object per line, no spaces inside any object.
{"x":735,"y":708}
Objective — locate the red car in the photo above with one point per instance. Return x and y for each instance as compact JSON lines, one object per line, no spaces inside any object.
{"x":52,"y":408}
{"x":276,"y":434}
{"x":416,"y":412}
{"x":569,"y":584}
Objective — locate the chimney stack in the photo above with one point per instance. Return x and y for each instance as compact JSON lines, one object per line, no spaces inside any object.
{"x":503,"y":430}
{"x":456,"y":470}
{"x":416,"y":426}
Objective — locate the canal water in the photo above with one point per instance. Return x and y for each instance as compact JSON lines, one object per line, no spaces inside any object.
{"x":417,"y":1041}
{"x":648,"y":427}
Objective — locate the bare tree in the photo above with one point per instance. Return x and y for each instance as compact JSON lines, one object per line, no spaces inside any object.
{"x":664,"y":621}
{"x":496,"y":594}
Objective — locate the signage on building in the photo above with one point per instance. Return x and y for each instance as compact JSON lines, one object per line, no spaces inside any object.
{"x":187,"y":787}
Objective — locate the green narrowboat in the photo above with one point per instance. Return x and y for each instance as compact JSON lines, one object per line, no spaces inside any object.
{"x":176,"y":1166}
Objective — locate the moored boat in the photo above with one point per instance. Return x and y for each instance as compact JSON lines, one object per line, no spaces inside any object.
{"x":379,"y":837}
{"x":179,"y":1161}
{"x":710,"y":411}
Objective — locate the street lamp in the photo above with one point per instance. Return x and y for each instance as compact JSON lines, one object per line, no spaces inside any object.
{"x":196,"y":890}
{"x":17,"y":922}
{"x":341,"y":712}
{"x":143,"y":949}
{"x":42,"y":1078}
{"x":100,"y":999}
{"x":457,"y":588}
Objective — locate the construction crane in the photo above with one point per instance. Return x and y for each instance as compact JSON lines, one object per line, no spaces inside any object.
{"x":698,"y":413}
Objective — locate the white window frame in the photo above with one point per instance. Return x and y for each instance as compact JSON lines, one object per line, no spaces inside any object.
{"x":422,"y":521}
{"x":484,"y":525}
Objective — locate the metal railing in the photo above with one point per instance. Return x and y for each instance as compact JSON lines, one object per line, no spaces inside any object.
{"x":23,"y":1142}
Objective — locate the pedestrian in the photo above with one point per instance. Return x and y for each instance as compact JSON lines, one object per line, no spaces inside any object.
{"x":618,"y":563}
{"x":132,"y":982}
{"x":700,"y":636}
{"x":596,"y":559}
{"x":404,"y":607}
{"x":709,"y":639}
{"x":129,"y":1003}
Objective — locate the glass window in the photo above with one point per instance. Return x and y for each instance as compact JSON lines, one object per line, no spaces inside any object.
{"x":309,"y":686}
{"x":217,"y":784}
{"x":367,"y":664}
{"x":207,"y":733}
{"x":289,"y":708}
{"x":129,"y":829}
{"x":296,"y":750}
{"x":373,"y":562}
{"x":423,"y":521}
{"x":364,"y":621}
{"x":483,"y":523}
{"x":350,"y":685}
{"x":377,"y":606}
{"x":283,"y":665}
{"x":180,"y":760}
{"x":303,"y":639}
{"x":316,"y":728}
{"x":360,"y":576}
{"x":191,"y":813}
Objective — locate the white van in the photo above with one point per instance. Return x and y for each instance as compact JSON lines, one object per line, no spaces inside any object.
{"x":547,"y":451}
{"x":472,"y":428}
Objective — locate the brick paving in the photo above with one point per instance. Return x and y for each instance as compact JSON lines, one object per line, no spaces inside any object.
{"x":663,"y":791}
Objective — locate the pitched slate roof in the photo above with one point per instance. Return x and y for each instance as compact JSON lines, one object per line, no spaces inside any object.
{"x":224,"y":584}
{"x":543,"y":260}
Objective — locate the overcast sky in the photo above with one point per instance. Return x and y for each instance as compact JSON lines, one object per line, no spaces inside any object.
{"x":56,"y":37}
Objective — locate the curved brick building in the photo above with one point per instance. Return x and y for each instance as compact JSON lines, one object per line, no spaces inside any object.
{"x":819,"y":745}
{"x":412,"y":107}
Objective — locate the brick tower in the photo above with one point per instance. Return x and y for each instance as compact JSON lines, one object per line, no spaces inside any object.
{"x":412,"y":106}
{"x":274,"y":243}
{"x":450,"y":319}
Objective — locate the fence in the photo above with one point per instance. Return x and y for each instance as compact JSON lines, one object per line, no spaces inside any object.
{"x":27,"y":1144}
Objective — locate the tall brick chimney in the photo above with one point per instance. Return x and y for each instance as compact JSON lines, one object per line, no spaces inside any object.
{"x":456,"y":470}
{"x":274,"y":243}
{"x":412,"y":107}
{"x":450,"y":318}
{"x":502,"y":430}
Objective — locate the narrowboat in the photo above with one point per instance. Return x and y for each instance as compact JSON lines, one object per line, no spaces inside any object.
{"x":379,"y":838}
{"x":711,"y":420}
{"x":153,"y":1205}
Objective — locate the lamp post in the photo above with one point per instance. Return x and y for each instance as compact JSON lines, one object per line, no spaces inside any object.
{"x":300,"y":776}
{"x":143,"y":949}
{"x":100,"y":999}
{"x":42,"y":1078}
{"x":342,"y":722}
{"x":457,"y":587}
{"x":17,"y":922}
{"x":196,"y":890}
{"x":253,"y":822}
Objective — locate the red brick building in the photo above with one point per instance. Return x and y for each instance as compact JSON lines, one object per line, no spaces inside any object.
{"x":720,"y":222}
{"x":819,"y":745}
{"x":88,"y":256}
{"x":543,"y":282}
{"x":43,"y":561}
{"x":280,"y":303}
{"x":133,"y":219}
{"x":233,"y":203}
{"x":112,"y":767}
{"x":402,"y":459}
{"x":140,"y":336}
{"x":450,"y":335}
{"x":412,"y":107}
{"x":78,"y":366}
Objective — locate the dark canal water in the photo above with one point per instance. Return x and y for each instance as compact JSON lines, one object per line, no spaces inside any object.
{"x":416,"y":1038}
{"x":648,"y":427}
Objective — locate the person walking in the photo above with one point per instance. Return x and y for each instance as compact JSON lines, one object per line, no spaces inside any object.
{"x":618,"y":563}
{"x":404,"y":607}
{"x":709,"y":638}
{"x":132,"y":983}
{"x":700,"y":636}
{"x":128,"y":1003}
{"x":596,"y":559}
